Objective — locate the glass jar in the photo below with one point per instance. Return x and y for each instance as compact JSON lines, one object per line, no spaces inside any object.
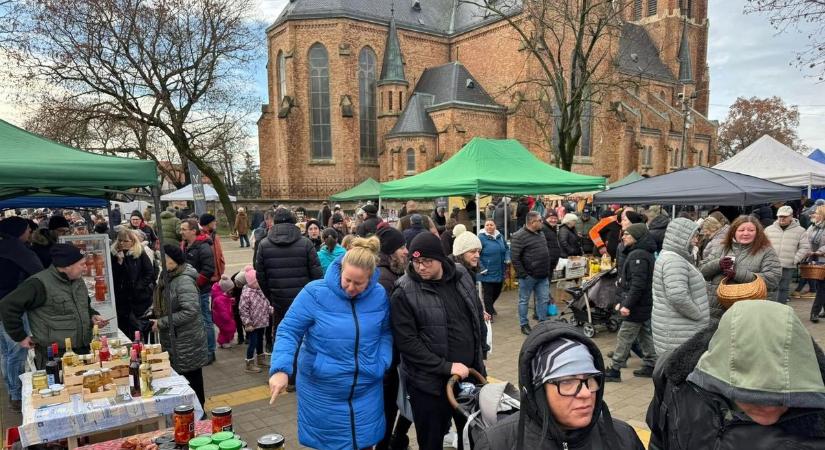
{"x":99,"y":264}
{"x":91,"y":381}
{"x":271,"y":441}
{"x":100,"y":289}
{"x":40,"y":380}
{"x":221,"y":419}
{"x":184,"y":424}
{"x":106,"y":376}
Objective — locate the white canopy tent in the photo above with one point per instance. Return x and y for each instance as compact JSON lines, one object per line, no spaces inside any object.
{"x":772,"y":160}
{"x":185,"y":194}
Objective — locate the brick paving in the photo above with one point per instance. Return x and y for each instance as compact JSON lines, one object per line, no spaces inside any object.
{"x":228,"y":384}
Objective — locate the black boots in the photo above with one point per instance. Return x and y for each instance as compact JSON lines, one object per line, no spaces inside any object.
{"x":613,"y":375}
{"x":525,"y":329}
{"x":644,"y":372}
{"x":814,"y":318}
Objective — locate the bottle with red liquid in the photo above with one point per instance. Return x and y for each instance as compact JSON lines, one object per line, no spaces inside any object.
{"x":59,"y":361}
{"x":104,"y":354}
{"x":100,"y":289}
{"x":134,"y":374}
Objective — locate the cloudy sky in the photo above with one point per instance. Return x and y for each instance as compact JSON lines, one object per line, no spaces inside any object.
{"x":746,"y":56}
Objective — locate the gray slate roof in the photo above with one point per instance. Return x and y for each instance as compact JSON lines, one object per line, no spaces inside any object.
{"x":685,"y":67}
{"x":393,"y":67}
{"x":447,"y":84}
{"x":443,"y":17}
{"x":415,"y":120}
{"x":635,"y":40}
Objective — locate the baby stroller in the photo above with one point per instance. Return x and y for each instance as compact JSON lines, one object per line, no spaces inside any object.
{"x":593,"y":304}
{"x":483,"y":404}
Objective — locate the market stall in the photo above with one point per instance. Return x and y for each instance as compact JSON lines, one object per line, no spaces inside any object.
{"x":366,"y":190}
{"x":186,"y":194}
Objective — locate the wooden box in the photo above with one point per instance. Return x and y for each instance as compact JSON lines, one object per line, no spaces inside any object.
{"x":39,"y":402}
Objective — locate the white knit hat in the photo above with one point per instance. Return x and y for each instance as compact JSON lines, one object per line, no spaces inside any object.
{"x":570,"y":217}
{"x":459,"y":229}
{"x":465,"y":242}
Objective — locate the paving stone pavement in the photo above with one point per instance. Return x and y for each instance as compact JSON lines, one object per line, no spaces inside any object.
{"x":227,"y":383}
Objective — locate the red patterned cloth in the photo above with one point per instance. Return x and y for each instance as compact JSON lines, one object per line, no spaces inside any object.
{"x":201,"y":427}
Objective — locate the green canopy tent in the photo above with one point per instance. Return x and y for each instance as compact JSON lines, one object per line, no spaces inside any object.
{"x":632,"y":177}
{"x":367,"y":189}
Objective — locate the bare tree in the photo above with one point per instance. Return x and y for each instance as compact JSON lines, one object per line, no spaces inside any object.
{"x":572,"y":44}
{"x":176,"y":66}
{"x":751,"y":118}
{"x":803,"y":14}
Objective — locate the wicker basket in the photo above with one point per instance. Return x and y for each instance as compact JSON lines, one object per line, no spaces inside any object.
{"x":812,"y":271}
{"x":728,"y":294}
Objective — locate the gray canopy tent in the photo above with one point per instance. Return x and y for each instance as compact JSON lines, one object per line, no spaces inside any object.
{"x":699,"y":186}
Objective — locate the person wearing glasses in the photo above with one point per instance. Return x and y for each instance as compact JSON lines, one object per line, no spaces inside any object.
{"x":561,"y":375}
{"x":438,"y":327}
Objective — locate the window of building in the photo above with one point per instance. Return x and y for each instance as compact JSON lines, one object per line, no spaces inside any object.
{"x":366,"y":105}
{"x":321,"y":131}
{"x":389,"y":100}
{"x":674,"y":158}
{"x":400,"y":101}
{"x":687,"y":8}
{"x":701,"y":158}
{"x":410,"y":161}
{"x":651,"y":7}
{"x":585,"y":142}
{"x":281,"y":76}
{"x":637,"y":9}
{"x":647,"y":156}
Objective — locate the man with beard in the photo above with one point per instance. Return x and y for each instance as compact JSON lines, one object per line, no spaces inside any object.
{"x":392,"y":260}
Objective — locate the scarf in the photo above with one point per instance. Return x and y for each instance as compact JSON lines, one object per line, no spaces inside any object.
{"x":158,"y":305}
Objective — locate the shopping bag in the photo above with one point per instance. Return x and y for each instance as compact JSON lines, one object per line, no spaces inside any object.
{"x":489,"y":336}
{"x":403,"y":400}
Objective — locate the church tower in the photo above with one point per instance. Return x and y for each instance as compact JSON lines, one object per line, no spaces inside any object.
{"x":392,"y":89}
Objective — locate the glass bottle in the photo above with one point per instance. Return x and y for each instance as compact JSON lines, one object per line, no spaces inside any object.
{"x":95,"y":344}
{"x":104,"y":354}
{"x":134,"y":374}
{"x":145,"y":376}
{"x":59,"y":362}
{"x":69,"y":357}
{"x":100,"y":289}
{"x":138,"y":343}
{"x":52,"y":372}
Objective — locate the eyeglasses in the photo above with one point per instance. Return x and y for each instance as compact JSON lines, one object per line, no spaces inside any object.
{"x":570,"y":387}
{"x":422,"y":261}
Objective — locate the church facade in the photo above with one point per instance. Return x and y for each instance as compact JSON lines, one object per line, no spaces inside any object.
{"x":388,"y":89}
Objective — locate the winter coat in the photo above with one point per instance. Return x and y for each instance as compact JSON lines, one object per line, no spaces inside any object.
{"x":411,"y":233}
{"x":217,"y":251}
{"x":603,"y":432}
{"x":789,"y":244}
{"x":606,"y":233}
{"x":17,"y":262}
{"x":115,"y":217}
{"x":569,"y":242}
{"x":369,"y":226}
{"x":241,"y":223}
{"x":326,"y":257}
{"x":765,"y":215}
{"x":636,"y":279}
{"x":583,"y":227}
{"x":42,"y":242}
{"x":494,"y":255}
{"x":199,"y":256}
{"x":254,"y":308}
{"x":147,"y":230}
{"x":521,"y":212}
{"x":815,"y":236}
{"x":419,"y":326}
{"x":134,"y":282}
{"x":713,"y":243}
{"x":285,"y":263}
{"x":189,"y":352}
{"x":762,"y":354}
{"x":386,"y":276}
{"x":222,"y":314}
{"x":447,"y":240}
{"x":170,"y":228}
{"x":529,"y":254}
{"x":551,"y":236}
{"x":680,"y":296}
{"x":657,"y":228}
{"x":347,"y":347}
{"x":765,"y":263}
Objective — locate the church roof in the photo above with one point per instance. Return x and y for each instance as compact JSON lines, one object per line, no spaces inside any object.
{"x":638,"y":55}
{"x":393,"y":67}
{"x":442,"y":17}
{"x":685,"y":69}
{"x":452,"y":84}
{"x":415,"y":120}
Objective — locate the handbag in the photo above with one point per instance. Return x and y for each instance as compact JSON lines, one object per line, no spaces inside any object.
{"x":728,"y":294}
{"x":234,"y":235}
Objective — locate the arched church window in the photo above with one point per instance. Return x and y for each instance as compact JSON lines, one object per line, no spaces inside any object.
{"x":321,"y":130}
{"x":367,"y":115}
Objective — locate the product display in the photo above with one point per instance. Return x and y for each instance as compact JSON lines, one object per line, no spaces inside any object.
{"x":184,"y":424}
{"x":97,"y":274}
{"x":271,"y":441}
{"x":221,"y":419}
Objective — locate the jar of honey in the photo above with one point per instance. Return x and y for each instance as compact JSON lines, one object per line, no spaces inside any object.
{"x":106,"y":376}
{"x":92,"y":381}
{"x":39,"y":380}
{"x":184,"y":424}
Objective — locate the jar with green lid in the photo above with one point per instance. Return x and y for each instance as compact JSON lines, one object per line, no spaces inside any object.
{"x":271,"y":441}
{"x":230,"y":444}
{"x":199,"y":442}
{"x":209,"y":447}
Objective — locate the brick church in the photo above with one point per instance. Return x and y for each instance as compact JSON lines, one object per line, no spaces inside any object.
{"x":387,"y":89}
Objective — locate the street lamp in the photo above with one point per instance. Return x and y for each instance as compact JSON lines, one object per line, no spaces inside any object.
{"x":687,"y":103}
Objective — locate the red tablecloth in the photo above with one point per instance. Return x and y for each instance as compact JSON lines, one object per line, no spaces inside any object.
{"x":201,"y":427}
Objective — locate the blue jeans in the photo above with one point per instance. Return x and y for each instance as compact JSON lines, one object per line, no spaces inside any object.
{"x":14,"y":363}
{"x":540,"y":288}
{"x":206,"y":311}
{"x":255,"y":343}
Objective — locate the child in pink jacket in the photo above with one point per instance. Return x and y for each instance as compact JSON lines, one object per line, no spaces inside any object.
{"x":222,"y":311}
{"x":255,"y":311}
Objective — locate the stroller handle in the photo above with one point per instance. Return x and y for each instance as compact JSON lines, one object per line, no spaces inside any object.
{"x":455,"y":379}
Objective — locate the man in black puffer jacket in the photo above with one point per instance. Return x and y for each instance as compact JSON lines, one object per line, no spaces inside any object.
{"x":531,"y":259}
{"x":636,"y":301}
{"x":562,"y":398}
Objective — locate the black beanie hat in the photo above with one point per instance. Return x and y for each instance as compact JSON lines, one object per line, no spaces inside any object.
{"x":14,"y":226}
{"x":174,"y":252}
{"x":137,"y":214}
{"x":391,"y":239}
{"x":56,"y":222}
{"x":206,"y":219}
{"x":634,"y":217}
{"x":370,"y":209}
{"x":64,"y":255}
{"x":427,"y":245}
{"x":283,"y":215}
{"x":337,"y":218}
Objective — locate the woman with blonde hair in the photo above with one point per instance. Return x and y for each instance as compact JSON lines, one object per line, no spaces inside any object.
{"x":347,"y":346}
{"x":134,"y":279}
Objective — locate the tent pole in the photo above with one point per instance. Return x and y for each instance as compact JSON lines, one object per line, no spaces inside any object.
{"x":506,"y":218}
{"x":478,"y":229}
{"x":379,"y":207}
{"x":164,"y":274}
{"x":672,"y":212}
{"x":810,"y":182}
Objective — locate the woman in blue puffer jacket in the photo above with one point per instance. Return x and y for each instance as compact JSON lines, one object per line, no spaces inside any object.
{"x":494,"y":257}
{"x":347,"y":347}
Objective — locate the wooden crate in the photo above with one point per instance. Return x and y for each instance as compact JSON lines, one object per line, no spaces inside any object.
{"x":39,"y":402}
{"x":106,"y":393}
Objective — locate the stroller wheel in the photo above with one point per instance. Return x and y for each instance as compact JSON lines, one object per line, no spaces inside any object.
{"x":613,"y":325}
{"x":588,"y":329}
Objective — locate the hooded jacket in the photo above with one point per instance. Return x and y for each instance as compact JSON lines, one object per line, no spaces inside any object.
{"x":347,"y":347}
{"x":17,"y":262}
{"x":636,"y":279}
{"x":569,"y":242}
{"x":284,"y":264}
{"x":680,"y":296}
{"x":764,"y":263}
{"x":134,"y":281}
{"x":170,"y":228}
{"x":326,"y":257}
{"x":42,"y":242}
{"x":758,"y":353}
{"x":658,"y":228}
{"x":603,"y":432}
{"x":199,"y":255}
{"x":369,"y":226}
{"x":190,"y":336}
{"x":789,"y":243}
{"x":494,"y":254}
{"x":551,"y":235}
{"x":241,"y":223}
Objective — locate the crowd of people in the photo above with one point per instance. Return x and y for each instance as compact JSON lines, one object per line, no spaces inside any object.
{"x":367,"y":320}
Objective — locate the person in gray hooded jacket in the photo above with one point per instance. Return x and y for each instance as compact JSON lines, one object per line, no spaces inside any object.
{"x":680,"y":298}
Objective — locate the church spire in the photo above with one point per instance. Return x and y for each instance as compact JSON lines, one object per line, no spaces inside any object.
{"x":685,"y":67}
{"x":392,"y":69}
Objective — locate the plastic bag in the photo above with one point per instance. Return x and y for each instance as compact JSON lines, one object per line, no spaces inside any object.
{"x":489,"y":336}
